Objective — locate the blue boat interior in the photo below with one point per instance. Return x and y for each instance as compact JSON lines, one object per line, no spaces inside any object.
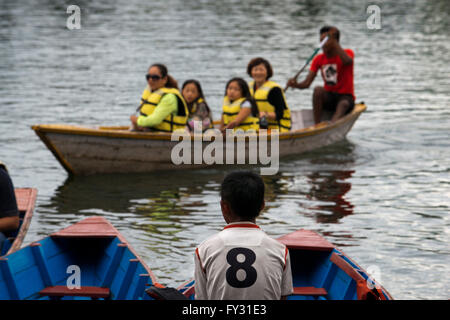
{"x":314,"y":269}
{"x":319,"y":275}
{"x":325,"y":275}
{"x":103,"y":263}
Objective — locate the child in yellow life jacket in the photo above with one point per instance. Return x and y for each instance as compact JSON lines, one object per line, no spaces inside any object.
{"x":239,"y":110}
{"x":198,"y":108}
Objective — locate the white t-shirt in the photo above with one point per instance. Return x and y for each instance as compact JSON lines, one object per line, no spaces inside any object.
{"x":246,"y":104}
{"x":242,"y":263}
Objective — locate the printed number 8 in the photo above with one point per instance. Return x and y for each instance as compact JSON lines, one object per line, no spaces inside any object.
{"x":246,"y":265}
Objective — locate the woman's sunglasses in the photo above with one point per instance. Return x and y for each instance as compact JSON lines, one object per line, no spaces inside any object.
{"x":154,"y":77}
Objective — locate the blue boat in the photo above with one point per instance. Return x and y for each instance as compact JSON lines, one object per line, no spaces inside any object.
{"x":88,"y":260}
{"x":26,"y":199}
{"x":320,"y":271}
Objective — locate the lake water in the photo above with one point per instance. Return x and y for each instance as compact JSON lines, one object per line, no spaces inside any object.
{"x":382,"y":195}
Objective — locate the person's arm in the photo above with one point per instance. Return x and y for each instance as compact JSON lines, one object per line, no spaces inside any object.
{"x":268,"y":115}
{"x":9,"y":223}
{"x":286,"y":281}
{"x":346,"y":59}
{"x":166,"y":106}
{"x":244,"y":113}
{"x":9,"y":213}
{"x":276,"y":99}
{"x":305,"y":83}
{"x":200,"y":279}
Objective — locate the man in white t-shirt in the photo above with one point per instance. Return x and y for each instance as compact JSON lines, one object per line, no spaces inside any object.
{"x":242,"y":262}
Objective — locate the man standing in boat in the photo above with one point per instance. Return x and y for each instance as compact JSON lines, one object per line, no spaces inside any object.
{"x":336,"y":66}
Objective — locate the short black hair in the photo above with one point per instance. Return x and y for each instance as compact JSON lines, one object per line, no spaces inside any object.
{"x":244,"y":191}
{"x":325,"y":29}
{"x":256,"y":62}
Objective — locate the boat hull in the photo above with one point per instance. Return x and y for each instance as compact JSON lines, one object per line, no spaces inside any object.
{"x":26,"y":199}
{"x":88,"y":260}
{"x":84,"y":151}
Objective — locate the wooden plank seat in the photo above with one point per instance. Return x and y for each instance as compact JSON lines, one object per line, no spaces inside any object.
{"x":63,"y":291}
{"x":310,"y":291}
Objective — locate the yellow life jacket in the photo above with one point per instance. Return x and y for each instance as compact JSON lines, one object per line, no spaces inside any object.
{"x":150,"y":101}
{"x":261,"y":97}
{"x":194,"y":109}
{"x":195,"y":104}
{"x":230,"y":110}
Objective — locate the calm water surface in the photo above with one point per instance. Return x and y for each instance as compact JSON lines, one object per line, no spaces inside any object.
{"x":382,"y":195}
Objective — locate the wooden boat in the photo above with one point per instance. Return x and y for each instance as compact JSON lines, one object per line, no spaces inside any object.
{"x":26,"y":199}
{"x":84,"y":150}
{"x":92,"y":251}
{"x":320,"y":271}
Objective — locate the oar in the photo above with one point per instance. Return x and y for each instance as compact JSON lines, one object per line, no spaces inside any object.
{"x":309,"y":59}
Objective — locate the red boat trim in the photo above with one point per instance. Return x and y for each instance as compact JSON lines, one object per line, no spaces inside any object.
{"x":92,"y":227}
{"x":346,"y":267}
{"x":285,"y":257}
{"x":62,"y":291}
{"x":189,"y":292}
{"x":306,"y":240}
{"x":309,"y":291}
{"x":241,"y":225}
{"x":200,"y":260}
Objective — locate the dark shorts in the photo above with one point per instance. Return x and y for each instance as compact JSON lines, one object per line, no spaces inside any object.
{"x":332,"y":99}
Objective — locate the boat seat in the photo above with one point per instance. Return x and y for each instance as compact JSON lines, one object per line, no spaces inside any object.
{"x":64,"y":291}
{"x":310,"y":291}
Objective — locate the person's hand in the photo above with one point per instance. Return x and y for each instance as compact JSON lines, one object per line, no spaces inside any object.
{"x":231,"y":125}
{"x":332,"y":41}
{"x":292,"y":83}
{"x":262,"y":114}
{"x":133,"y":119}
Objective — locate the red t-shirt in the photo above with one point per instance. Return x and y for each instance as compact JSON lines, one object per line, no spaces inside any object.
{"x":336,"y":76}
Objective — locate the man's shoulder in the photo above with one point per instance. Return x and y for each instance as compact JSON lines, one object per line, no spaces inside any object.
{"x":169,"y":96}
{"x":350,"y":52}
{"x":210,"y":241}
{"x":273,"y":242}
{"x":317,"y":62}
{"x":319,"y":57}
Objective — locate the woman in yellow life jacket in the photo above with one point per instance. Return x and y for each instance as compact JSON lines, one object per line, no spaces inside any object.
{"x":162,"y":106}
{"x":239,"y":110}
{"x":198,"y":108}
{"x":268,"y":95}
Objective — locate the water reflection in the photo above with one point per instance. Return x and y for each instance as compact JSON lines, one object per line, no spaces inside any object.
{"x":330,"y":187}
{"x":319,"y":186}
{"x":153,"y":195}
{"x":319,"y":181}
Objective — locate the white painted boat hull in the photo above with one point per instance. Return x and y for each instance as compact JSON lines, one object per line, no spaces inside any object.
{"x":84,"y":151}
